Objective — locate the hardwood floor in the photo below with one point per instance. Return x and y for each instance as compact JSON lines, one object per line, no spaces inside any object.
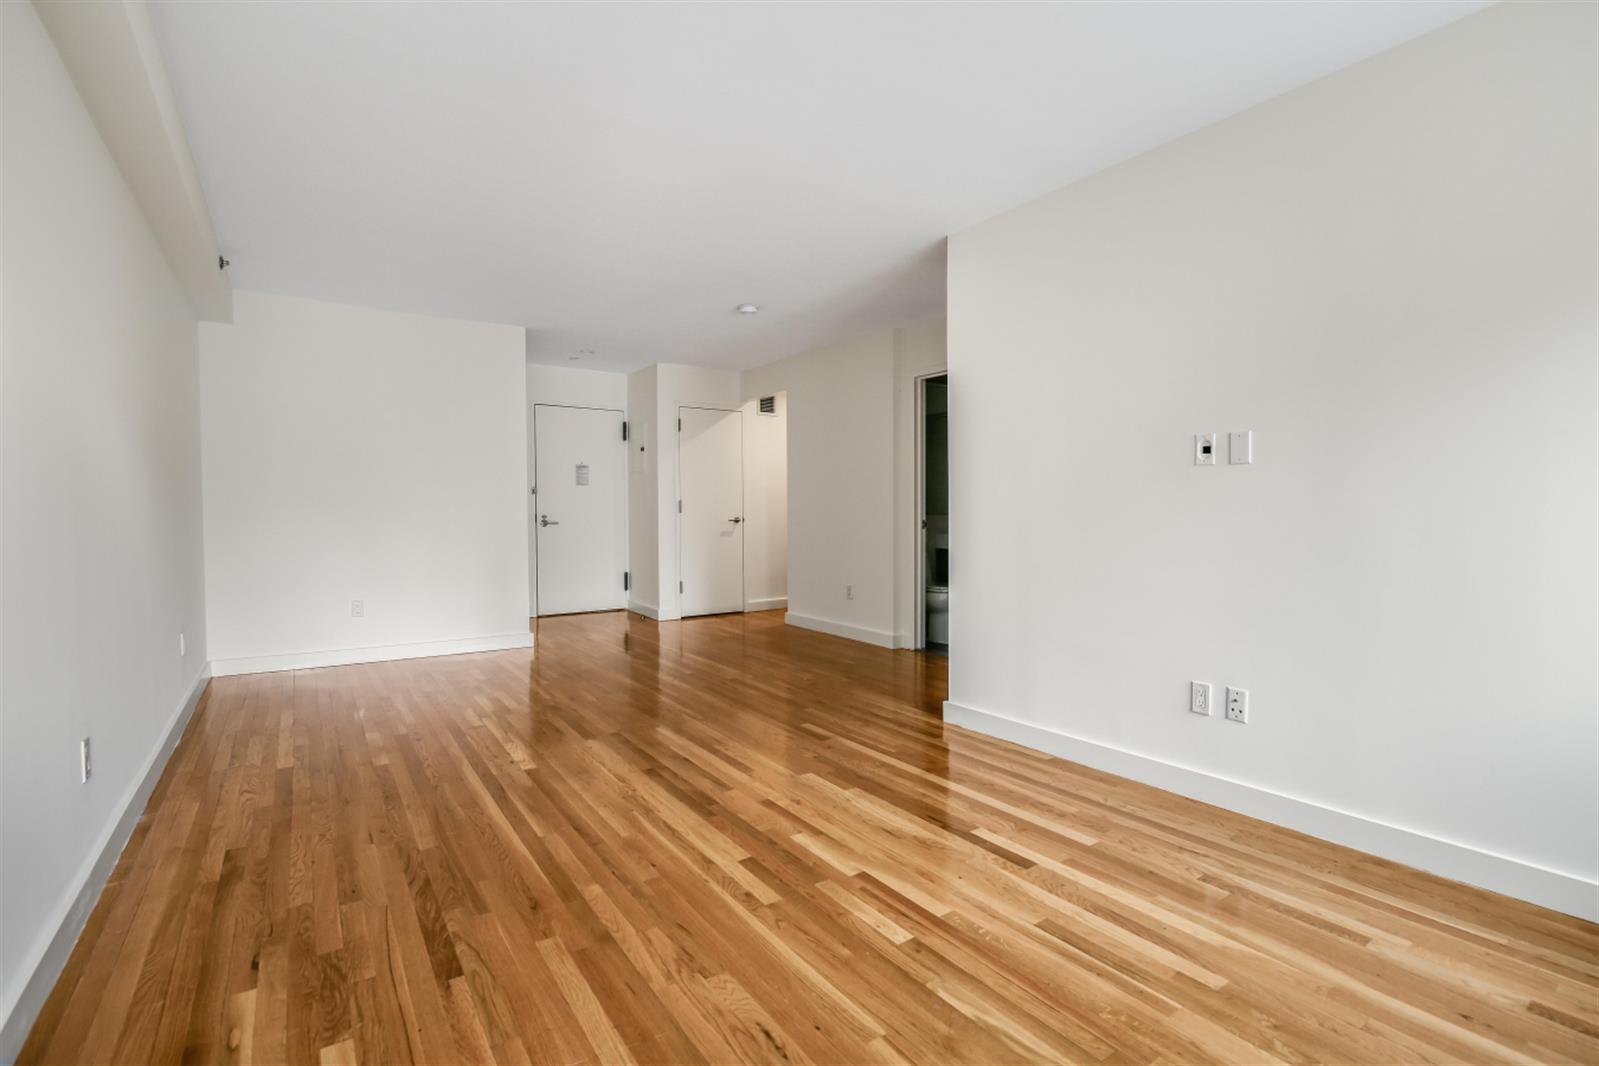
{"x":727,"y":840}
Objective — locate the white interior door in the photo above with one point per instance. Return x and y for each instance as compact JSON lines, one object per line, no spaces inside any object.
{"x":710,"y":528}
{"x":579,"y":508}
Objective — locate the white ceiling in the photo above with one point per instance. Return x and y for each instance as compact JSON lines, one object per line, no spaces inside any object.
{"x":617,"y":177}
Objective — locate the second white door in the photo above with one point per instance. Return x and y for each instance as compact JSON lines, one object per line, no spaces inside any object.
{"x":579,"y":508}
{"x":710,"y":537}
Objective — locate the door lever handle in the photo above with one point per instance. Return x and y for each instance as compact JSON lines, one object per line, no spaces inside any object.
{"x":546,"y":520}
{"x":736,"y":519}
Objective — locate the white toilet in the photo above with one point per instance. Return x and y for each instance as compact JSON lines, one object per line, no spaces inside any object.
{"x":937,"y":595}
{"x":937,"y":615}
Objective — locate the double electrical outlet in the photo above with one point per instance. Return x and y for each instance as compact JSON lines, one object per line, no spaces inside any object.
{"x":1237,"y":701}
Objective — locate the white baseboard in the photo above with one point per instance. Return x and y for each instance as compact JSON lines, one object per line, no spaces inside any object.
{"x":1565,"y":892}
{"x":882,"y":638}
{"x":774,"y":603}
{"x":307,"y":660}
{"x":648,"y":610}
{"x":59,"y":933}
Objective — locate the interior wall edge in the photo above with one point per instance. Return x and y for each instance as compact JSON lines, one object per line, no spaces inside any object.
{"x":1565,"y":892}
{"x":60,"y":934}
{"x":111,"y":54}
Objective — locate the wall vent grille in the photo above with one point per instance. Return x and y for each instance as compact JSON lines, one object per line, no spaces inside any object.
{"x":767,"y":405}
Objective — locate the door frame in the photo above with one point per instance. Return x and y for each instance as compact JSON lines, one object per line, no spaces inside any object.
{"x":678,"y":490}
{"x":919,"y":512}
{"x":533,"y":496}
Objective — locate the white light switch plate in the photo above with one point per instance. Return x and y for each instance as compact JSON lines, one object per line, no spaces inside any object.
{"x":1199,"y":697}
{"x":1241,"y":447}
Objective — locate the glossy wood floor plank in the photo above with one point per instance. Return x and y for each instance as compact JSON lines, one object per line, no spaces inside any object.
{"x":729,"y":840}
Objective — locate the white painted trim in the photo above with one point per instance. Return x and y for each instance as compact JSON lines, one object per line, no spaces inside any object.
{"x":880,"y":637}
{"x":646,"y":609}
{"x":1566,"y":892}
{"x":307,"y":660}
{"x":59,"y":934}
{"x":773,"y":603}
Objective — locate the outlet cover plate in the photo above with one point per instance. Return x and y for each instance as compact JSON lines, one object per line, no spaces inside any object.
{"x":1237,"y":705}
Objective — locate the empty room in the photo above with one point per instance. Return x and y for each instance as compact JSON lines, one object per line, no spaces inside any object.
{"x":851,"y":532}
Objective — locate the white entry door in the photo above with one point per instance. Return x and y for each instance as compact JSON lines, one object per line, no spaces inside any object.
{"x":579,"y":508}
{"x":710,"y":529}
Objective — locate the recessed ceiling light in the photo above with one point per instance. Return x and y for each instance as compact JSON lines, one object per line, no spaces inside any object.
{"x":747,"y":309}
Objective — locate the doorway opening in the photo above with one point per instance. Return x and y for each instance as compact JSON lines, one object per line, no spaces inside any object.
{"x":766,"y":503}
{"x":733,"y":507}
{"x":710,"y":510}
{"x":933,"y":518}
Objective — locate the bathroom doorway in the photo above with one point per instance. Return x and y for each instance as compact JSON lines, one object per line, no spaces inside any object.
{"x":933,"y":517}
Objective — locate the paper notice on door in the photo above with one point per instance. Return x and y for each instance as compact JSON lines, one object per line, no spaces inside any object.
{"x":582,"y":473}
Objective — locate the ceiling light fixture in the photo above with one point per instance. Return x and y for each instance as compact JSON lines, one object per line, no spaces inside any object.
{"x":747,"y":309}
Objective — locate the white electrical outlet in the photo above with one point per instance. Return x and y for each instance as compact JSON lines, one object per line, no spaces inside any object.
{"x":1199,"y":697}
{"x":849,"y":592}
{"x":1204,"y":449}
{"x":357,"y":608}
{"x":183,"y":647}
{"x":1237,"y":704}
{"x":85,"y":768}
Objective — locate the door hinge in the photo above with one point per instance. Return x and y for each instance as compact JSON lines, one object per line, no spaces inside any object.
{"x":624,"y":429}
{"x":680,"y":586}
{"x":679,"y":506}
{"x":626,"y":581}
{"x":680,"y":425}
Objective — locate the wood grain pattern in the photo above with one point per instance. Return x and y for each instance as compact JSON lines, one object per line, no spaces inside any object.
{"x":729,"y":840}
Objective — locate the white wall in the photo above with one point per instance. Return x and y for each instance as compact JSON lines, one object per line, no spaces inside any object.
{"x":919,"y":351}
{"x":100,"y":532}
{"x":841,"y":464}
{"x":1389,"y":277}
{"x":680,"y":386}
{"x":643,"y":492}
{"x":567,"y":387}
{"x":110,"y":52}
{"x":850,"y":410}
{"x":766,"y":506}
{"x":354,"y":454}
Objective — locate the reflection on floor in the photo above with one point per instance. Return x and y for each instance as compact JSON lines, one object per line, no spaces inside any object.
{"x":730,"y":840}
